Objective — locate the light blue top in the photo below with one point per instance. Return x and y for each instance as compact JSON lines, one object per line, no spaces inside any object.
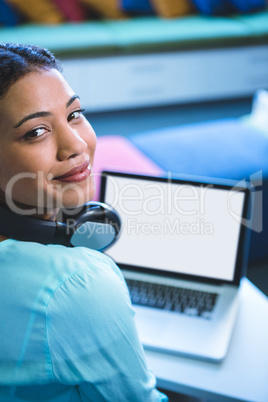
{"x":67,"y":328}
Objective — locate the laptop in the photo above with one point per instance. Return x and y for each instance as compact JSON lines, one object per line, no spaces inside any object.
{"x":183,"y":251}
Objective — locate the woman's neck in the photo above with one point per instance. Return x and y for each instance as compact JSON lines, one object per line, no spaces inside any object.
{"x":2,"y":238}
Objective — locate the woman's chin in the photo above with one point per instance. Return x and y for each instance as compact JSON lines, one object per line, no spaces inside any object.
{"x":76,"y":200}
{"x":73,"y":195}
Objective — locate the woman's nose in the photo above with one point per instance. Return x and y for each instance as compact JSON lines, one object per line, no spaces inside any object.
{"x":70,"y":143}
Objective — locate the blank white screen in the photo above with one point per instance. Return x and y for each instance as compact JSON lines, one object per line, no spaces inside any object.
{"x":179,"y":228}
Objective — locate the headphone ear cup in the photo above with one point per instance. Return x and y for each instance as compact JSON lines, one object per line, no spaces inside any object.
{"x":96,"y":225}
{"x":94,"y":235}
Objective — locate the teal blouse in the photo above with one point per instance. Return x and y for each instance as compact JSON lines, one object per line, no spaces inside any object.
{"x":67,"y":329}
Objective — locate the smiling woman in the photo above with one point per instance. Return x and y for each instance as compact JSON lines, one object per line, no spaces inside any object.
{"x":48,"y":139}
{"x":67,"y":329}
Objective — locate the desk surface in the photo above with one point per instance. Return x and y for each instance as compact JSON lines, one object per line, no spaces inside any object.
{"x":242,"y":376}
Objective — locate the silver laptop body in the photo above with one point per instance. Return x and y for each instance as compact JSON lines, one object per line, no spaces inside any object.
{"x":182,"y":234}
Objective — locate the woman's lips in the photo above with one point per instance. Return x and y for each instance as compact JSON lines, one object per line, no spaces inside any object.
{"x":77,"y":174}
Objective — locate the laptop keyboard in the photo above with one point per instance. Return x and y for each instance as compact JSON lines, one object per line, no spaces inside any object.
{"x":182,"y":300}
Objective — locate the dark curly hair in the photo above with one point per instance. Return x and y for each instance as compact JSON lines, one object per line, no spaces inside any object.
{"x":17,"y":60}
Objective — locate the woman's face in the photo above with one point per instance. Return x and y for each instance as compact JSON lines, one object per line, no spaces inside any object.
{"x":46,"y":146}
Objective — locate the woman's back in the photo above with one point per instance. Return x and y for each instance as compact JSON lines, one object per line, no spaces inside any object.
{"x":67,"y":321}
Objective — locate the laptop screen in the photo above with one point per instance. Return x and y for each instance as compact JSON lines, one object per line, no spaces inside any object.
{"x":174,"y":226}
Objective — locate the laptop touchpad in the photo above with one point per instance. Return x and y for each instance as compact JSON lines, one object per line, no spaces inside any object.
{"x":149,"y":323}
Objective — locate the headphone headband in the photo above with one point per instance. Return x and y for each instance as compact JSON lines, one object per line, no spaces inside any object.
{"x":95,"y":225}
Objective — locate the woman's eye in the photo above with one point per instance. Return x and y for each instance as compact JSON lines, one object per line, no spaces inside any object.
{"x":37,"y":132}
{"x":75,"y":115}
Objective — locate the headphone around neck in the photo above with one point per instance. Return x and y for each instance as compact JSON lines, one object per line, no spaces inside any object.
{"x":96,"y":225}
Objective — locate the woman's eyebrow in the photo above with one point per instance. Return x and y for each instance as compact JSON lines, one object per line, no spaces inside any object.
{"x":32,"y":116}
{"x":70,"y":101}
{"x":43,"y":114}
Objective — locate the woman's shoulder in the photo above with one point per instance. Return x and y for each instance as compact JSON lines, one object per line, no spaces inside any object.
{"x":33,"y":263}
{"x":56,"y":255}
{"x":66,"y":294}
